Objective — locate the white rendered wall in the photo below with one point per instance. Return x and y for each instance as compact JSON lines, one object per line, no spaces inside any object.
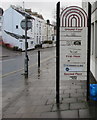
{"x":11,"y":18}
{"x":37,"y":34}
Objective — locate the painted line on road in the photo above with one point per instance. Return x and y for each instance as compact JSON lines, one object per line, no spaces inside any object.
{"x":5,"y":75}
{"x":7,"y":60}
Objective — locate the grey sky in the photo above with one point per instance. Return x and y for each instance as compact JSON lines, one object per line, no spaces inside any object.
{"x":47,"y":9}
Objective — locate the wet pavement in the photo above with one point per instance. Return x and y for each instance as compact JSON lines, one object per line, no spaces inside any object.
{"x":6,"y":53}
{"x":37,"y":98}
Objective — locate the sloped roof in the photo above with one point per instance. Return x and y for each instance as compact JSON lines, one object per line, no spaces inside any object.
{"x":34,"y":14}
{"x":16,"y":35}
{"x":23,"y":13}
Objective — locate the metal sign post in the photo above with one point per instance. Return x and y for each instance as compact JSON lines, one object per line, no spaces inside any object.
{"x":58,"y":55}
{"x":26,"y":56}
{"x":88,"y":51}
{"x":38,"y":58}
{"x":26,"y":25}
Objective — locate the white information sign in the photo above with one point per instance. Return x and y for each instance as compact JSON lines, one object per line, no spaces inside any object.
{"x":73,"y":47}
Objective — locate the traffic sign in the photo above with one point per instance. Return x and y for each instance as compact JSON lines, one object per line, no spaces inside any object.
{"x":29,"y":24}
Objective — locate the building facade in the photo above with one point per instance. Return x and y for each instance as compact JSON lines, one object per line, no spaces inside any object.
{"x":14,"y":35}
{"x":94,"y":40}
{"x":93,"y":62}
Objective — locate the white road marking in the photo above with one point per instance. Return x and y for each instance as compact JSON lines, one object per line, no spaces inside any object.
{"x":5,"y":75}
{"x":7,"y":60}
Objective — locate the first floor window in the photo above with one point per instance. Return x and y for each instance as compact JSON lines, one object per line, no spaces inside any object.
{"x":31,"y":42}
{"x":16,"y":26}
{"x":0,"y":28}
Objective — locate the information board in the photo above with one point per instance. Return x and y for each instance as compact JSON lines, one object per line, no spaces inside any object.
{"x":73,"y":44}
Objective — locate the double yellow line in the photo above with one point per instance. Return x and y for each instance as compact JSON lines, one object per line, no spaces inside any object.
{"x":5,"y":75}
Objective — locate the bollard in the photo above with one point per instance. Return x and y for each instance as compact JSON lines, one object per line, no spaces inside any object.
{"x":38,"y":58}
{"x":26,"y":66}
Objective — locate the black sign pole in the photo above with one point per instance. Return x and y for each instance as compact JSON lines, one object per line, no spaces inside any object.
{"x":58,"y":54}
{"x":38,"y":58}
{"x":88,"y":51}
{"x":26,"y":56}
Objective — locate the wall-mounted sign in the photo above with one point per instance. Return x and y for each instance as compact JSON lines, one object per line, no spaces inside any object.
{"x":73,"y":44}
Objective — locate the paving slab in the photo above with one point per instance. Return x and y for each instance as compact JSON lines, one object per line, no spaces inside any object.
{"x":69,"y":100}
{"x":62,"y":107}
{"x":77,"y":105}
{"x":84,"y":113}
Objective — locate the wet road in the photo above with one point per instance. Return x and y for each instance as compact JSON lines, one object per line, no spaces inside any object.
{"x":35,"y":97}
{"x":13,"y":81}
{"x":15,"y":63}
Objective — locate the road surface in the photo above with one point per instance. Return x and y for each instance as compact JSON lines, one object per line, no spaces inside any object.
{"x":13,"y":81}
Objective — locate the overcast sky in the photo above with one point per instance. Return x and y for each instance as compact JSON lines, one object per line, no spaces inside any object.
{"x":47,"y":9}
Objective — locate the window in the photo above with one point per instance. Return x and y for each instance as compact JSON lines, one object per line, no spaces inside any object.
{"x":32,"y":27}
{"x":52,"y":37}
{"x":0,"y":28}
{"x":16,"y":26}
{"x":37,"y":39}
{"x":31,"y":42}
{"x":20,"y":40}
{"x":40,"y":32}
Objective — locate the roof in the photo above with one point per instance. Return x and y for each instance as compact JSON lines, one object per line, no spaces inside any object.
{"x":22,"y":12}
{"x":34,"y":14}
{"x":16,"y":35}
